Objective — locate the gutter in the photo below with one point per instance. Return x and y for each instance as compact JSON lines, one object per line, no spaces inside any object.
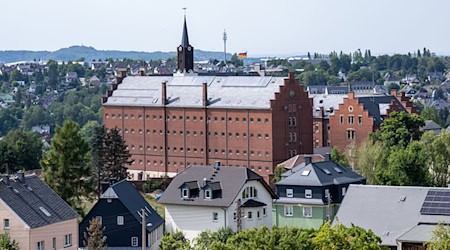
{"x":225,"y":217}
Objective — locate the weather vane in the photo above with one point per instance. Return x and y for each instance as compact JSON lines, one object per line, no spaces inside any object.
{"x":184,"y":9}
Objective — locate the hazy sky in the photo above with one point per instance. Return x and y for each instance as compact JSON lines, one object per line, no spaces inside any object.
{"x":283,"y":27}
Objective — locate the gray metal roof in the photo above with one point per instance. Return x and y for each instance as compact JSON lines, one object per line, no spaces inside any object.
{"x":381,"y":209}
{"x":377,"y":105}
{"x":35,"y":202}
{"x":418,"y":234}
{"x":329,"y":103}
{"x":231,"y":179}
{"x":323,"y":173}
{"x":251,"y":92}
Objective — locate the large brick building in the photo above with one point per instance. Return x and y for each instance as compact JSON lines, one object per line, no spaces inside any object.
{"x":170,"y":122}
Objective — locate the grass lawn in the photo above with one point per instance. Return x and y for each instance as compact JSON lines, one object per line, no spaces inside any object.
{"x":154,"y":203}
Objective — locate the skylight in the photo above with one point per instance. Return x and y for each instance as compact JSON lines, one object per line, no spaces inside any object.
{"x":338,"y":169}
{"x":306,"y":172}
{"x":45,"y":211}
{"x":326,"y":171}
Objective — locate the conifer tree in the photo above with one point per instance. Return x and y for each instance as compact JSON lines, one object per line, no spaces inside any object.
{"x":115,"y":157}
{"x":93,"y":237}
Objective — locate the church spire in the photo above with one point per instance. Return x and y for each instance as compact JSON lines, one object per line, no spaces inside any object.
{"x":185,"y":38}
{"x":185,"y":51}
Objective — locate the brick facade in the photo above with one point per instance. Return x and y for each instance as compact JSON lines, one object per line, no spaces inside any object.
{"x":165,"y":140}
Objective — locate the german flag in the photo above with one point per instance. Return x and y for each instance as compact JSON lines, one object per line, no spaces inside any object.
{"x":242,"y":55}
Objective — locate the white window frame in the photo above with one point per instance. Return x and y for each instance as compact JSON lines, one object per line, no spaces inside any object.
{"x":307,"y":215}
{"x":40,"y":245}
{"x":264,"y":211}
{"x":67,"y":240}
{"x":308,"y":193}
{"x":344,"y":191}
{"x":208,"y":193}
{"x":327,"y":193}
{"x":249,"y":215}
{"x":215,"y":216}
{"x":134,"y":241}
{"x":183,"y":193}
{"x":120,"y":220}
{"x":258,"y":215}
{"x":6,"y":224}
{"x":289,"y":192}
{"x":288,"y":210}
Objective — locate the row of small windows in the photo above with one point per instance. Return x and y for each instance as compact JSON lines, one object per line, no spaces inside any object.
{"x":250,"y":214}
{"x":292,"y":121}
{"x":175,"y":164}
{"x":188,"y":118}
{"x":195,"y":133}
{"x":351,"y":119}
{"x":210,"y":151}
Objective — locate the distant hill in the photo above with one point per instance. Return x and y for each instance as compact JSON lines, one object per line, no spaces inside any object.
{"x":89,"y":53}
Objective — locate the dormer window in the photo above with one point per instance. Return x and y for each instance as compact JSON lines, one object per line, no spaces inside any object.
{"x":208,"y":194}
{"x":185,"y":193}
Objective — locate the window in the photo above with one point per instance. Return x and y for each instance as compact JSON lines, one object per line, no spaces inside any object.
{"x":215,"y":216}
{"x":119,"y":220}
{"x":289,"y":193}
{"x":185,"y":193}
{"x":294,"y":136}
{"x":54,"y":243}
{"x":40,"y":245}
{"x":350,"y":119}
{"x":258,"y":215}
{"x":208,"y":193}
{"x":67,"y":240}
{"x":327,"y":193}
{"x":294,"y":121}
{"x":249,"y":215}
{"x":134,"y":241}
{"x":342,"y":119}
{"x":290,"y":121}
{"x":249,"y":192}
{"x":5,"y":223}
{"x":264,"y":211}
{"x":351,"y":134}
{"x":344,"y":191}
{"x":99,"y":219}
{"x":235,"y":216}
{"x":308,"y":193}
{"x":288,"y":211}
{"x":360,"y":119}
{"x":307,"y":211}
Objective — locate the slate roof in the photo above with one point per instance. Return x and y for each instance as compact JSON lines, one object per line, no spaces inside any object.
{"x":251,"y":92}
{"x":418,"y":234}
{"x":431,"y":126}
{"x":253,"y":203}
{"x":134,"y":202}
{"x":377,"y":106}
{"x":231,"y":179}
{"x":380,"y":209}
{"x":318,"y":175}
{"x":35,"y":202}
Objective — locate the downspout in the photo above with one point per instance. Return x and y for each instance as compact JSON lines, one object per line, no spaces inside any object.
{"x":225,"y":217}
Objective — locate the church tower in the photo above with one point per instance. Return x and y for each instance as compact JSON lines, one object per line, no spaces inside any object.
{"x":185,"y":52}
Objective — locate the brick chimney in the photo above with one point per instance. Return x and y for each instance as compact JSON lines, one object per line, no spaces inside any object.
{"x":121,"y":75}
{"x":351,"y":95}
{"x":327,"y":157}
{"x":141,"y":72}
{"x":205,"y":94}
{"x":393,"y":92}
{"x":307,"y":159}
{"x":163,"y":93}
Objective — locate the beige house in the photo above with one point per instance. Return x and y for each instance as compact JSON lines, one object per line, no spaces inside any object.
{"x":35,"y":216}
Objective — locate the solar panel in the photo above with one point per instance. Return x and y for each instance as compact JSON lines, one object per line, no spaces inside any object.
{"x":437,"y":202}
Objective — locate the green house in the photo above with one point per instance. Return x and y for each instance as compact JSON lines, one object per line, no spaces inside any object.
{"x":310,"y":193}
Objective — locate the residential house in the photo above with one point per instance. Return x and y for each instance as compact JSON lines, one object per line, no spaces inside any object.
{"x":310,"y":193}
{"x":204,"y":198}
{"x":71,"y":77}
{"x":35,"y":216}
{"x":431,"y":126}
{"x":299,"y":159}
{"x":403,"y":217}
{"x":119,"y":210}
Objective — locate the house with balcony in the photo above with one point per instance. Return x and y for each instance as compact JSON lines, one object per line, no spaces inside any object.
{"x":208,"y":197}
{"x":310,"y":193}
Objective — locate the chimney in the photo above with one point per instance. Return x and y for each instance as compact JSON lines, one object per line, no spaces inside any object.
{"x":121,"y":75}
{"x":321,"y":112}
{"x":307,"y":160}
{"x":217,"y":165}
{"x":141,"y":72}
{"x":205,"y":94}
{"x":21,"y":176}
{"x":5,"y":179}
{"x":393,"y":92}
{"x":327,"y":157}
{"x":164,"y":93}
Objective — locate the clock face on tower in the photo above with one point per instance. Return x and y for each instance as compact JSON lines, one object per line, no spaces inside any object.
{"x":189,"y":48}
{"x":180,"y":48}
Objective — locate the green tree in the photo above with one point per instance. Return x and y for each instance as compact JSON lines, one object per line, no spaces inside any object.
{"x":440,"y":239}
{"x":371,"y":156}
{"x":7,"y":243}
{"x":174,"y":241}
{"x":406,"y":167}
{"x":66,"y":167}
{"x":430,"y":113}
{"x":94,"y":238}
{"x":437,"y":150}
{"x":8,"y":121}
{"x":52,"y":74}
{"x":20,"y":150}
{"x":206,"y":239}
{"x":339,"y":157}
{"x":279,"y":170}
{"x":115,"y":156}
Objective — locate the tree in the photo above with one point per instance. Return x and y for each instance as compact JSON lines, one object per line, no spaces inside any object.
{"x":440,"y":239}
{"x":8,"y":121}
{"x":399,"y":129}
{"x":115,"y":156}
{"x":406,"y":167}
{"x":93,"y":237}
{"x":436,"y":148}
{"x":7,"y":243}
{"x":430,"y":113}
{"x":279,"y":170}
{"x":65,"y":166}
{"x":339,"y":158}
{"x":206,"y":239}
{"x":371,"y":156}
{"x":174,"y":241}
{"x":20,"y":150}
{"x":52,"y":74}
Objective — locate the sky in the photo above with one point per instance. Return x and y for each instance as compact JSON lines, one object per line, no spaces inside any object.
{"x":260,"y":27}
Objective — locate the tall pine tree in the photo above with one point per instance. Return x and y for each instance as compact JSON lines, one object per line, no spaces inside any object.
{"x":115,"y":157}
{"x":66,"y":166}
{"x":93,"y":237}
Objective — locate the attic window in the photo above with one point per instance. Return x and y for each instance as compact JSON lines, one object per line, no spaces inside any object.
{"x":208,"y":194}
{"x":306,"y":172}
{"x":45,"y":211}
{"x":185,"y":193}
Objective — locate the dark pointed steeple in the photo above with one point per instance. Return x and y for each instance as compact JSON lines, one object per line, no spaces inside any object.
{"x":185,"y":38}
{"x":185,"y":52}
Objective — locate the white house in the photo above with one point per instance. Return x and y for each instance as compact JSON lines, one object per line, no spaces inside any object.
{"x":212,"y":197}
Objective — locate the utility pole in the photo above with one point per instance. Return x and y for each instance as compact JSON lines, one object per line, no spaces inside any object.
{"x":144,"y":246}
{"x":225,"y":37}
